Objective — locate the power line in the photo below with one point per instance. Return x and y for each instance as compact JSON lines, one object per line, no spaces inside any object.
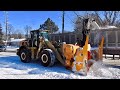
{"x":76,"y":14}
{"x":79,"y":16}
{"x":70,"y":19}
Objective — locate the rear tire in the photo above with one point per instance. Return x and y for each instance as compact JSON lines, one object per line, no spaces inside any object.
{"x":25,"y":55}
{"x":47,"y":58}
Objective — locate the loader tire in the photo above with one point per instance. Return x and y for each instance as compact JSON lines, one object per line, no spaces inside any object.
{"x":25,"y":55}
{"x":47,"y":58}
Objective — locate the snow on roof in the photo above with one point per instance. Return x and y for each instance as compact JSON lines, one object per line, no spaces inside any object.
{"x":108,"y":27}
{"x":17,"y":40}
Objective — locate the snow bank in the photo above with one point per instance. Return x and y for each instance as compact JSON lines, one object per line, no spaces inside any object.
{"x":99,"y":69}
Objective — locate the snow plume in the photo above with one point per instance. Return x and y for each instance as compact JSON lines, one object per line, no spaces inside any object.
{"x":99,"y":69}
{"x":99,"y":33}
{"x":97,"y":37}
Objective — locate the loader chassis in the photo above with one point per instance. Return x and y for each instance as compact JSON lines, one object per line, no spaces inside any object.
{"x":35,"y":48}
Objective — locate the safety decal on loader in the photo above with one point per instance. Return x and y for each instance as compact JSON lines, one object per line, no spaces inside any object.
{"x":80,"y":63}
{"x":100,"y":50}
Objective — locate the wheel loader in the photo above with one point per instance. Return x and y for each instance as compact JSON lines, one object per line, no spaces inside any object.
{"x":77,"y":58}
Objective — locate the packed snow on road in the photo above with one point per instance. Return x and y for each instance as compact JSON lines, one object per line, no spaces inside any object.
{"x":12,"y":68}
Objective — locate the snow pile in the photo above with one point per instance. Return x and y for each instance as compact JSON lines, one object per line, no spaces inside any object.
{"x":97,"y":38}
{"x":101,"y":70}
{"x":17,"y":40}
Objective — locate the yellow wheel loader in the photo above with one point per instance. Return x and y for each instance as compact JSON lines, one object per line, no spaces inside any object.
{"x":77,"y":58}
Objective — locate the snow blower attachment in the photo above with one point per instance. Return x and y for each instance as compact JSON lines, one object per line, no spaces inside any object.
{"x":79,"y":59}
{"x":76,"y":58}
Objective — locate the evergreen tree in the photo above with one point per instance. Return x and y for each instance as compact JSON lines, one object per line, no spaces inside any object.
{"x":49,"y":25}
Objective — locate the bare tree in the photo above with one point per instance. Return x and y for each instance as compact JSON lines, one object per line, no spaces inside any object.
{"x":10,"y":30}
{"x":117,"y":23}
{"x":108,"y":17}
{"x":111,"y":17}
{"x":102,"y":18}
{"x":78,"y":24}
{"x":19,"y":35}
{"x":27,"y":30}
{"x":87,"y":14}
{"x":14,"y":35}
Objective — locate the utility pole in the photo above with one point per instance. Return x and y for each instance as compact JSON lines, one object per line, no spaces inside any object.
{"x":6,"y":24}
{"x":63,"y":21}
{"x":63,"y":14}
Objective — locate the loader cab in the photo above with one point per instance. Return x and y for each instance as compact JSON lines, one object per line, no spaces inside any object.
{"x":44,"y":34}
{"x":35,"y":36}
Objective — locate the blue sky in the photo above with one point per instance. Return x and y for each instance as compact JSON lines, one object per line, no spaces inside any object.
{"x":19,"y":19}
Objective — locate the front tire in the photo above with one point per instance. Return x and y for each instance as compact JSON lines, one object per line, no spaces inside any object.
{"x":25,"y":55}
{"x":47,"y":58}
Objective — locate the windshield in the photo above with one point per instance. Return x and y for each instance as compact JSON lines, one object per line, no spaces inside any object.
{"x":45,"y":35}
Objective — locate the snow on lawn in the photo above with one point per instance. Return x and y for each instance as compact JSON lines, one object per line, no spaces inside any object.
{"x":12,"y":68}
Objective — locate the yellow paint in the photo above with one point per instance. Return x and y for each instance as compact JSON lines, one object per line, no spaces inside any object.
{"x":100,"y":50}
{"x":57,"y":54}
{"x":67,"y":63}
{"x":69,"y":51}
{"x":81,"y":56}
{"x":40,"y":47}
{"x":32,"y":51}
{"x":77,"y":53}
{"x":79,"y":67}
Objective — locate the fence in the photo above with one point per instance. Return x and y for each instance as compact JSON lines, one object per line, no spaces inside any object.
{"x":66,"y":37}
{"x":112,"y":37}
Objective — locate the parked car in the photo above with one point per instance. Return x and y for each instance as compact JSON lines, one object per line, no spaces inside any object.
{"x":2,"y":48}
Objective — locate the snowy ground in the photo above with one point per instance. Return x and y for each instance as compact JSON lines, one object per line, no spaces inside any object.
{"x":12,"y":68}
